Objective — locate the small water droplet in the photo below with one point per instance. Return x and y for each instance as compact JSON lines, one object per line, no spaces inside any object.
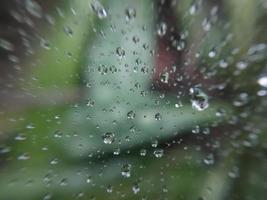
{"x":209,"y":160}
{"x":108,"y":138}
{"x":212,"y":53}
{"x":131,"y":115}
{"x":164,"y":77}
{"x":130,"y":14}
{"x":99,"y":9}
{"x":158,"y":153}
{"x":199,"y":99}
{"x":136,"y":188}
{"x":120,"y":52}
{"x":109,"y":189}
{"x":162,"y":29}
{"x":33,"y":8}
{"x":143,"y":152}
{"x":68,"y":31}
{"x":262,"y":81}
{"x":158,"y":116}
{"x":126,"y":170}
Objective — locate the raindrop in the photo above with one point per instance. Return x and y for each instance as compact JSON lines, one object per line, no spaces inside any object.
{"x":143,"y":152}
{"x":126,"y":170}
{"x":158,"y":153}
{"x":68,"y":31}
{"x":116,"y":151}
{"x":44,"y":44}
{"x":164,"y":77}
{"x":158,"y":116}
{"x":131,"y":115}
{"x":136,"y":39}
{"x":199,"y":99}
{"x":223,"y":64}
{"x":109,"y":189}
{"x":90,"y":103}
{"x":241,"y":100}
{"x":262,"y":81}
{"x":154,"y":143}
{"x":99,"y":9}
{"x":212,"y":53}
{"x":108,"y":138}
{"x":120,"y":52}
{"x":130,"y":13}
{"x":209,"y":160}
{"x":33,"y":8}
{"x":6,"y":45}
{"x":136,"y":188}
{"x":162,"y":29}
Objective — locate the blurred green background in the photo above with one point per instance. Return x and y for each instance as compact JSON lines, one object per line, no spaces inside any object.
{"x":136,"y":99}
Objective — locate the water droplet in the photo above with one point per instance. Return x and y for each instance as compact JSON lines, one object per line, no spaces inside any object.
{"x":199,"y":99}
{"x":126,"y":170}
{"x":120,"y":52}
{"x":68,"y":31}
{"x":241,"y":65}
{"x":131,"y":115}
{"x":162,"y":29}
{"x":164,"y":77}
{"x":44,"y":44}
{"x":130,"y":14}
{"x":99,"y":9}
{"x":136,"y":39}
{"x":158,"y":153}
{"x":143,"y":152}
{"x":116,"y":151}
{"x":136,"y":188}
{"x":196,"y":129}
{"x":6,"y":45}
{"x":212,"y":53}
{"x":154,"y":143}
{"x":33,"y":8}
{"x":234,"y":172}
{"x":158,"y":116}
{"x":241,"y":100}
{"x":223,"y":64}
{"x":109,"y":188}
{"x":90,"y":103}
{"x":209,"y":160}
{"x":24,"y":156}
{"x":262,"y":81}
{"x":108,"y":138}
